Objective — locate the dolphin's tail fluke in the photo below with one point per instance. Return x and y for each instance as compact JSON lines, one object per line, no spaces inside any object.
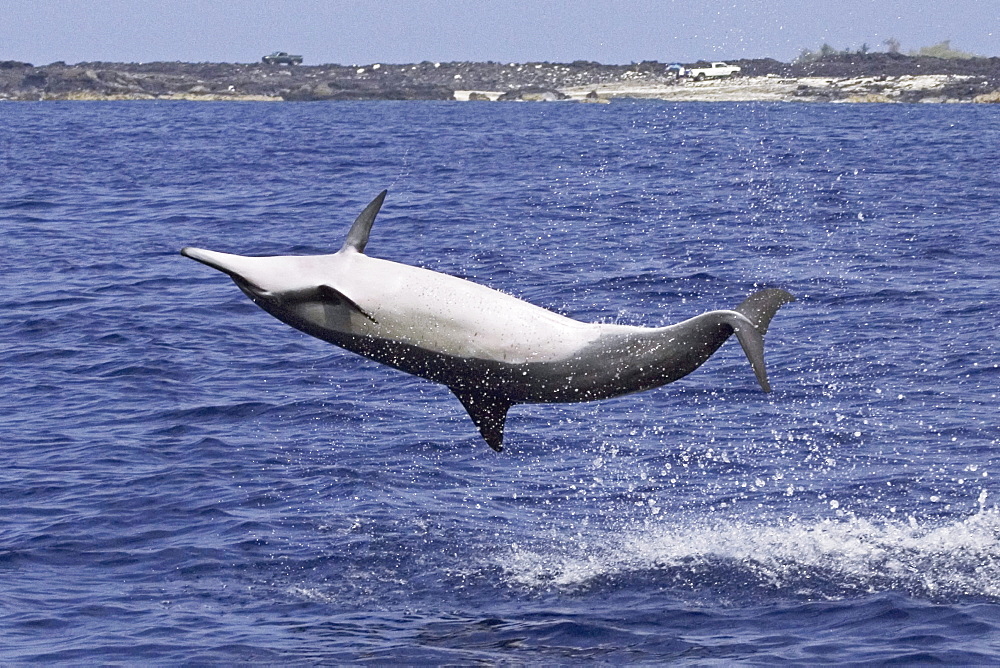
{"x":750,"y":321}
{"x":761,"y":306}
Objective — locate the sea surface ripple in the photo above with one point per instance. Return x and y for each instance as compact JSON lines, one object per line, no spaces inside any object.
{"x":190,"y":481}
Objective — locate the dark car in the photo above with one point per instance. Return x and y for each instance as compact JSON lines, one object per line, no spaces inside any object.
{"x":281,"y":58}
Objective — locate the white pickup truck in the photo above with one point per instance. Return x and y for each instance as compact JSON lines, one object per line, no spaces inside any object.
{"x":713,"y":70}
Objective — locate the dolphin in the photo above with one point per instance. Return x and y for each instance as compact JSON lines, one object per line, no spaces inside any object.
{"x":490,"y":349}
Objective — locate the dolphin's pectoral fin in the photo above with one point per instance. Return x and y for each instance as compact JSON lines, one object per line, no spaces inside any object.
{"x":489,"y":412}
{"x":334,"y":295}
{"x":357,"y":238}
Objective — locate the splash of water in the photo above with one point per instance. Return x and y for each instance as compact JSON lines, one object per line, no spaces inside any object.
{"x":818,"y":559}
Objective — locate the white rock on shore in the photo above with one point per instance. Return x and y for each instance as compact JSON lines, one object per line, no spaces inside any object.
{"x":764,"y":89}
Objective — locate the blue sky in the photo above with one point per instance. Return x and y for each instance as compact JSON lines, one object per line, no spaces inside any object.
{"x":371,"y":31}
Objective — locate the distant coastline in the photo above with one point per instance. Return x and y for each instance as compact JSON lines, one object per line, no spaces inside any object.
{"x":872,"y":77}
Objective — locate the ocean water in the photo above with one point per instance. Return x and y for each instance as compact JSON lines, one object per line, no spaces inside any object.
{"x":188,"y":480}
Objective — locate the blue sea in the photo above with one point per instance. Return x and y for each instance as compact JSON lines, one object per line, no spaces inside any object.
{"x":188,"y":480}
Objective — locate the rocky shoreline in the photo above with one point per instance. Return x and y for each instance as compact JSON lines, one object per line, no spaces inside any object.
{"x":878,"y":77}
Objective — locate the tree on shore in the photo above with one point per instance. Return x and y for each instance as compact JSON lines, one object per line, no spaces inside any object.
{"x":827,"y":51}
{"x":892,"y":45}
{"x":942,"y":50}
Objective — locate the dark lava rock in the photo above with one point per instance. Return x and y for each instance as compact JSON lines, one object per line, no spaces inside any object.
{"x":759,"y":67}
{"x":335,"y":90}
{"x":532,"y":94}
{"x":893,"y":65}
{"x":34,"y":80}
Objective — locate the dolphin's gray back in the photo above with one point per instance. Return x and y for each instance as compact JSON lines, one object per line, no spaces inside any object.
{"x":621,"y":361}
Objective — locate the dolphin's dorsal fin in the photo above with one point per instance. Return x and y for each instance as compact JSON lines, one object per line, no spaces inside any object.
{"x":357,"y":238}
{"x":489,"y":412}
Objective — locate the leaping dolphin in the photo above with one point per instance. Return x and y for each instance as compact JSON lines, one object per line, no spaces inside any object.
{"x":489,"y":348}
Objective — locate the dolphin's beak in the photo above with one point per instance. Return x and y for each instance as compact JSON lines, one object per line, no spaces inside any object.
{"x":227,"y":264}
{"x":211,"y":258}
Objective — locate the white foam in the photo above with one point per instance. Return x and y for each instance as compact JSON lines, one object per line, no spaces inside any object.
{"x":958,"y":558}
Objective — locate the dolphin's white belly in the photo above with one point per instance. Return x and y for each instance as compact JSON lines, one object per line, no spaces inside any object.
{"x":453,"y":316}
